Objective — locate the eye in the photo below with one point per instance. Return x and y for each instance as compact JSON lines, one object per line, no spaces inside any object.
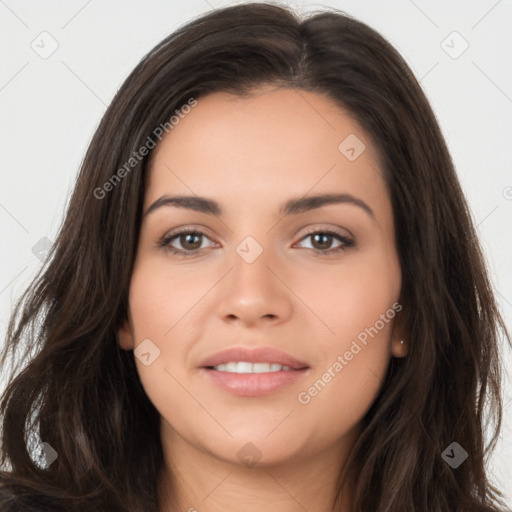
{"x":190,"y":240}
{"x":323,"y":239}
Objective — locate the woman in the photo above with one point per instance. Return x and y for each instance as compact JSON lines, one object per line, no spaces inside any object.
{"x":267,"y":291}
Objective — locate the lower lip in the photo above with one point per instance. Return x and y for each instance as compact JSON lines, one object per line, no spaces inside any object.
{"x":254,"y":384}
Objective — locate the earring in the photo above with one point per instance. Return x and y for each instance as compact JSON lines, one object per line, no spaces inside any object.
{"x":401,"y":342}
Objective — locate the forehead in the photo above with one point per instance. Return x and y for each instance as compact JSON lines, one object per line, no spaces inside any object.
{"x":274,"y":140}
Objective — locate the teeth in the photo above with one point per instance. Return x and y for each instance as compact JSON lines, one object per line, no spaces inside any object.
{"x":245,"y":367}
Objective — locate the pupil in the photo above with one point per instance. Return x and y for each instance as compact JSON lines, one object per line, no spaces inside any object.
{"x":324,"y":236}
{"x":188,"y":236}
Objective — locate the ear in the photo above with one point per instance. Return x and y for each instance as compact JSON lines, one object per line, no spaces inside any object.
{"x":125,"y":335}
{"x":399,"y":337}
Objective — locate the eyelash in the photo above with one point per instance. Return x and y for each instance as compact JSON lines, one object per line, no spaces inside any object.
{"x":166,"y":240}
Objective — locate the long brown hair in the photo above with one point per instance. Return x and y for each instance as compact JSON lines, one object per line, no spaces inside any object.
{"x":74,"y":388}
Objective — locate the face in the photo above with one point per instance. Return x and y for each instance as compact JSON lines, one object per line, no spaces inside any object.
{"x":313,"y":287}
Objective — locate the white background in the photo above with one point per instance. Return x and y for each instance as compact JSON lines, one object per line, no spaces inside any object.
{"x":50,"y":108}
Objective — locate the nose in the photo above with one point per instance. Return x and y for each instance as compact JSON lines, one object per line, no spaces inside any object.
{"x":255,"y":293}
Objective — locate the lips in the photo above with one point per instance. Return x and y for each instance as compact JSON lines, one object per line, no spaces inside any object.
{"x":254,"y":355}
{"x":218,"y":370}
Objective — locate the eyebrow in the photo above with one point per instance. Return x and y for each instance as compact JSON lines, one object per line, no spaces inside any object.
{"x":291,"y":207}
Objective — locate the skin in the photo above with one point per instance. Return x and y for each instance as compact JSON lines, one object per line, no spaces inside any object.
{"x":251,"y":155}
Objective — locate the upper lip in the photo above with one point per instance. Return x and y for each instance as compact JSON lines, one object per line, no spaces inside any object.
{"x":253,"y":355}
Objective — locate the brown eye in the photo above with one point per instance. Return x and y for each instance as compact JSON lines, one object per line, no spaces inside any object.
{"x":189,"y":241}
{"x":321,"y":242}
{"x":184,"y":242}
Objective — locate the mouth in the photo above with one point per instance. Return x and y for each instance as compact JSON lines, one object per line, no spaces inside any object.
{"x":247,"y":367}
{"x":253,"y":372}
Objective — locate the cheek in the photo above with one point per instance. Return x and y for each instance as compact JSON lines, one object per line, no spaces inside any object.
{"x":351,"y":297}
{"x":350,"y":371}
{"x":357,"y":305}
{"x":159,"y":299}
{"x":161,"y":305}
{"x":335,"y":402}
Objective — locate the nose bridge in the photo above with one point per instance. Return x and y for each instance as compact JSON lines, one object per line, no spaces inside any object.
{"x":253,"y":291}
{"x":251,"y":274}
